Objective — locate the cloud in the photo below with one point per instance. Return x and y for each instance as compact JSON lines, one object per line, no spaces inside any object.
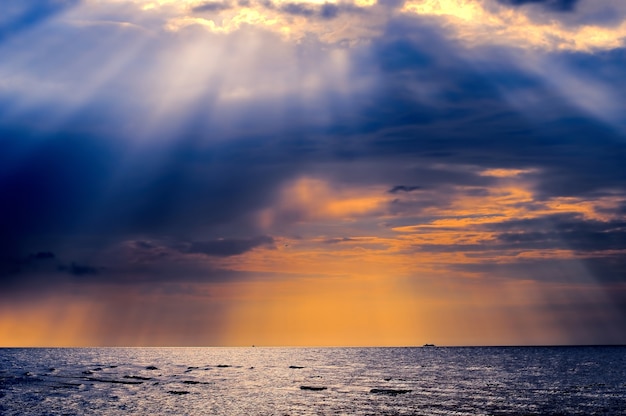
{"x":568,"y":232}
{"x":170,"y":140}
{"x":339,"y":240}
{"x":403,"y":188}
{"x":211,"y":6}
{"x":563,"y":231}
{"x":227,"y":247}
{"x":310,"y":199}
{"x":42,"y":255}
{"x":557,"y":5}
{"x":19,"y":16}
{"x":585,"y":28}
{"x":298,"y":9}
{"x":325,"y":11}
{"x":43,"y":272}
{"x":330,"y":10}
{"x":588,"y":271}
{"x":11,"y":265}
{"x":78,"y":269}
{"x":146,"y":266}
{"x":577,"y":26}
{"x":44,"y":262}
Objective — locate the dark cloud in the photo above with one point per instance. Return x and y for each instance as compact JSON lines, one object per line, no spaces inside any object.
{"x":605,"y":270}
{"x":549,"y":232}
{"x":268,"y":4}
{"x":78,"y":269}
{"x":298,"y":9}
{"x":557,"y":5}
{"x":403,"y":188}
{"x":326,"y":11}
{"x":10,"y":265}
{"x":211,"y":6}
{"x":329,"y":11}
{"x":391,"y":3}
{"x":227,"y":247}
{"x":43,"y":272}
{"x":446,"y":126}
{"x":45,"y":262}
{"x":144,"y":245}
{"x":339,"y":240}
{"x":563,"y":231}
{"x":43,"y":255}
{"x":154,"y":266}
{"x":47,"y":191}
{"x":572,"y":13}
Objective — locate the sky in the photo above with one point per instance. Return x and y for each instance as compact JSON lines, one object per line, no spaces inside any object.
{"x":312,"y":173}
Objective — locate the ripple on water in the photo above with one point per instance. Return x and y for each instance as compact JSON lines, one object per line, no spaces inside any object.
{"x":359,"y":381}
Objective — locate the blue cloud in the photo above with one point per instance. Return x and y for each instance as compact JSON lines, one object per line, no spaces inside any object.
{"x":557,"y":5}
{"x":18,"y":16}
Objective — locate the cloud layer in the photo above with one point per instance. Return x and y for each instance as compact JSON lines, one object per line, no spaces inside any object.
{"x":241,"y":153}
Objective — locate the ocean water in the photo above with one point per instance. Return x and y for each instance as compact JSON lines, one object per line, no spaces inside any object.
{"x":314,"y":381}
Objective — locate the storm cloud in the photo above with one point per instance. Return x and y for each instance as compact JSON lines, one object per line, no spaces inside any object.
{"x":158,"y":148}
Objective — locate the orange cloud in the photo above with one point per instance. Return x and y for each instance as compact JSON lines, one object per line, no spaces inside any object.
{"x":311,"y":199}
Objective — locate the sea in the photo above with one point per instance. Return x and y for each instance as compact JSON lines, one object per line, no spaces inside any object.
{"x":520,"y":381}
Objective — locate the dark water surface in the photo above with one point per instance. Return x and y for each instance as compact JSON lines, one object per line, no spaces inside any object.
{"x":314,"y":381}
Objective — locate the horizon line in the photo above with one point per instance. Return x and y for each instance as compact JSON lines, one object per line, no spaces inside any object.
{"x":424,"y":346}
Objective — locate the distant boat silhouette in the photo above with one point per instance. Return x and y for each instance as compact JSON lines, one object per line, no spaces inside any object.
{"x":429,"y":345}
